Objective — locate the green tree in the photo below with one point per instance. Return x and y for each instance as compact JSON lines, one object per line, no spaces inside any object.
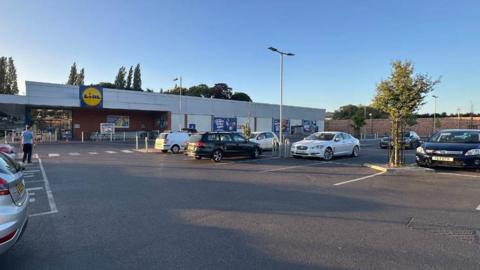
{"x":73,"y":74}
{"x":129,"y":78}
{"x":105,"y":85}
{"x":438,"y":123}
{"x":246,"y":129}
{"x":12,"y":84}
{"x":358,"y":121}
{"x":201,"y":90}
{"x":80,"y":79}
{"x":401,"y":95}
{"x":221,"y":91}
{"x":241,"y":97}
{"x":137,"y":79}
{"x":120,"y":79}
{"x":3,"y":75}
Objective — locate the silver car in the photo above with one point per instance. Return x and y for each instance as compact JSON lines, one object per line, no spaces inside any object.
{"x":13,"y":202}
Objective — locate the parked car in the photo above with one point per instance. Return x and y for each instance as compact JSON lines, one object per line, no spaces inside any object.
{"x":267,"y":140}
{"x":216,"y":145}
{"x":13,"y":202}
{"x":171,"y":141}
{"x":326,"y":145}
{"x":410,"y":139}
{"x":451,"y":148}
{"x":9,"y":150}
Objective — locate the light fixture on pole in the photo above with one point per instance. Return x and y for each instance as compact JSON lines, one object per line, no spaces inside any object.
{"x":281,"y":95}
{"x":435,"y":113}
{"x":180,"y":80}
{"x":371,"y":123}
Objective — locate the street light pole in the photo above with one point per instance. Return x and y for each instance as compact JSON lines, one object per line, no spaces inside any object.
{"x":371,"y":124}
{"x":179,"y":79}
{"x":435,"y":113}
{"x":281,"y":96}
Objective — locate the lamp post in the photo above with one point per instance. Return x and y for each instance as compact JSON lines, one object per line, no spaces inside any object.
{"x":435,"y":113}
{"x":281,"y":94}
{"x":180,"y":80}
{"x":458,"y":117}
{"x":371,"y":123}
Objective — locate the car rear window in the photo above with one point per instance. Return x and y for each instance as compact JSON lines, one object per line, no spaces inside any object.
{"x":7,"y":165}
{"x":195,"y":138}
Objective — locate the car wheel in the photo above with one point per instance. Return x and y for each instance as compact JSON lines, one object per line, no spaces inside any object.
{"x":217,"y":155}
{"x":175,"y":149}
{"x":328,"y":155}
{"x":164,"y":151}
{"x":255,"y":153}
{"x":355,"y":151}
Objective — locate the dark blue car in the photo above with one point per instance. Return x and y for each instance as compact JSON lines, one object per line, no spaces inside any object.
{"x":451,"y":148}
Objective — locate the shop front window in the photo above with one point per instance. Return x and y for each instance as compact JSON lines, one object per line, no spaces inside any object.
{"x":52,"y":121}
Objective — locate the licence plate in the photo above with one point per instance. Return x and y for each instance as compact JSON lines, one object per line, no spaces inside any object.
{"x":20,"y":188}
{"x":450,"y":159}
{"x":301,"y":151}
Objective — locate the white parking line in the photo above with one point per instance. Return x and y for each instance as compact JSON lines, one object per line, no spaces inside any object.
{"x":293,"y":167}
{"x":459,"y":174}
{"x":74,"y":154}
{"x":34,"y":188}
{"x":31,"y":171}
{"x":110,"y":152}
{"x":358,"y":179}
{"x":93,"y":153}
{"x":478,"y":208}
{"x":28,"y":176}
{"x":31,"y":200}
{"x":53,"y":155}
{"x":127,"y":151}
{"x":51,"y":201}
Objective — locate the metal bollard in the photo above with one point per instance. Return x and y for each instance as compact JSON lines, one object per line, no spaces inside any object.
{"x":111,"y":136}
{"x":146,"y":144}
{"x":124,"y":136}
{"x":5,"y":137}
{"x":136,"y":140}
{"x":82,"y":136}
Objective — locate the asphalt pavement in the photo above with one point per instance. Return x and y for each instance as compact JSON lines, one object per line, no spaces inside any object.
{"x":116,"y":208}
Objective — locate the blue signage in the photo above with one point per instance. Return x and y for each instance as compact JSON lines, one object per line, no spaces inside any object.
{"x":285,"y":126}
{"x":192,"y":126}
{"x":309,"y":126}
{"x":224,"y":124}
{"x":91,"y":96}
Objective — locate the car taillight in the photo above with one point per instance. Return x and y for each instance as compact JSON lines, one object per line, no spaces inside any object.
{"x":4,"y":188}
{"x":200,"y":144}
{"x":7,"y":237}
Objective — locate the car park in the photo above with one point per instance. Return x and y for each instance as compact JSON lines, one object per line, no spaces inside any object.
{"x":13,"y":202}
{"x":326,"y":145}
{"x":267,"y":140}
{"x":410,"y":139}
{"x":451,"y":148}
{"x":171,"y":141}
{"x":216,"y":145}
{"x":8,"y":150}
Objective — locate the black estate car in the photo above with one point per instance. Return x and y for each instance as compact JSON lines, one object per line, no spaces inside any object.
{"x":216,"y":145}
{"x":451,"y":148}
{"x":410,"y":139}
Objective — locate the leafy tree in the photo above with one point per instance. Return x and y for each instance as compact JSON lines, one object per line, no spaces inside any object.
{"x":137,"y":79}
{"x":349,"y":111}
{"x":438,"y":123}
{"x":80,"y":79}
{"x":401,"y":95}
{"x":73,"y":74}
{"x":241,"y":97}
{"x":358,"y":121}
{"x":149,"y":90}
{"x":105,"y":85}
{"x":3,"y":75}
{"x":12,"y":85}
{"x":129,"y":78}
{"x":221,"y":91}
{"x":246,"y":129}
{"x":201,"y":90}
{"x":120,"y":79}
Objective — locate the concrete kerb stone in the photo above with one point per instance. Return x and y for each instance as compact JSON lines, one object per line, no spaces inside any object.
{"x":380,"y":168}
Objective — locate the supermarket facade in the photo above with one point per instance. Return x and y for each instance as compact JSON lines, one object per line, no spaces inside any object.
{"x":69,"y":111}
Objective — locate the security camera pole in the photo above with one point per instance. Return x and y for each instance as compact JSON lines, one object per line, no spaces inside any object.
{"x":281,"y":95}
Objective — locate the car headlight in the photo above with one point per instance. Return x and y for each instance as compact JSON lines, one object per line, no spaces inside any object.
{"x":420,"y":150}
{"x":472,"y":152}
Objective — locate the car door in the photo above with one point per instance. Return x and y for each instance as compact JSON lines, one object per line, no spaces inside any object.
{"x":242,"y":145}
{"x":339,"y":145}
{"x":229,"y":146}
{"x":268,"y":140}
{"x":349,"y":143}
{"x":262,"y":140}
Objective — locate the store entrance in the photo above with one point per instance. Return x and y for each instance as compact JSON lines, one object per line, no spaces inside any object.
{"x":51,"y":123}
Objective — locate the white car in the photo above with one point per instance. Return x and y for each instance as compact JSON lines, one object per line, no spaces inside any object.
{"x":267,"y":140}
{"x":171,"y":141}
{"x":326,"y":145}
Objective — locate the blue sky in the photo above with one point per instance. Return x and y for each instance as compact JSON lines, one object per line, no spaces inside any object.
{"x":343,"y":48}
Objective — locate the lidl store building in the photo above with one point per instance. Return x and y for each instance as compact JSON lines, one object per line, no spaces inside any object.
{"x":69,"y":110}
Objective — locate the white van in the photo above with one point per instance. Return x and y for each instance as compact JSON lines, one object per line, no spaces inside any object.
{"x":173,"y":141}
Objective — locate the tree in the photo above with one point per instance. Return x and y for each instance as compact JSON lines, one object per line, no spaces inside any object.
{"x":80,"y":79}
{"x":3,"y":75}
{"x":105,"y":85}
{"x":12,"y":84}
{"x":201,"y":90}
{"x":120,"y":79}
{"x":221,"y":91}
{"x":401,"y":95}
{"x":241,"y":97}
{"x":348,"y":111}
{"x":148,"y":90}
{"x":129,"y":78}
{"x":73,"y":74}
{"x":137,"y":79}
{"x":358,"y":121}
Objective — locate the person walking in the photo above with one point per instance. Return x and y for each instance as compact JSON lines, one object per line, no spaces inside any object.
{"x":27,"y":144}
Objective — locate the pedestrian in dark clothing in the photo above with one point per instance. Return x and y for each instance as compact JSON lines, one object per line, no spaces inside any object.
{"x":27,"y":144}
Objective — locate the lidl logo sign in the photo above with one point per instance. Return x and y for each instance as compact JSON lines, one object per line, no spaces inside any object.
{"x":91,"y":97}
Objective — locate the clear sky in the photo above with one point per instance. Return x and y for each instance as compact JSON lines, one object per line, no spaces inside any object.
{"x":343,"y":48}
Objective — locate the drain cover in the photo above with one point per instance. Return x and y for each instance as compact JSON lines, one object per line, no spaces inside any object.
{"x":457,"y":232}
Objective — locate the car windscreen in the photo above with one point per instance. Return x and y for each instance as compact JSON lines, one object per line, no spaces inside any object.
{"x":163,"y":135}
{"x":8,"y":165}
{"x":321,"y":136}
{"x":253,"y":135}
{"x":195,"y":138}
{"x":456,"y":137}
